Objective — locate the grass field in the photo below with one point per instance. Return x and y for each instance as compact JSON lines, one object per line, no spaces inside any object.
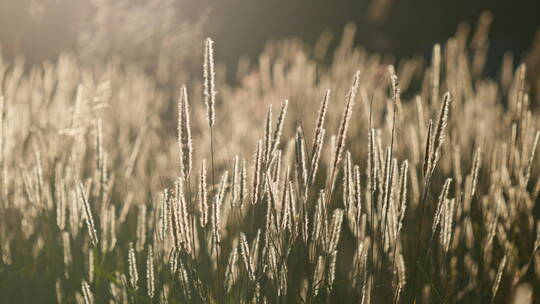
{"x":353,"y":179}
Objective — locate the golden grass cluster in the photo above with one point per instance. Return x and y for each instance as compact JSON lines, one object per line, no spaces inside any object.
{"x":375,"y":183}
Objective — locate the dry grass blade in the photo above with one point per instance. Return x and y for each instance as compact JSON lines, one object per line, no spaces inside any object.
{"x":279,"y":126}
{"x":342,"y":132}
{"x":203,"y":195}
{"x":428,"y":151}
{"x":184,"y":133}
{"x":439,"y":135}
{"x":88,"y":217}
{"x":257,"y":173}
{"x":209,"y":81}
{"x":319,"y":126}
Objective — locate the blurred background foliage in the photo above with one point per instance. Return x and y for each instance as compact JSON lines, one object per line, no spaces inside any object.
{"x":164,"y":33}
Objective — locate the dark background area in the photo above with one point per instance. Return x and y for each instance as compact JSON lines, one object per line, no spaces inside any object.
{"x":399,"y":27}
{"x":41,"y":29}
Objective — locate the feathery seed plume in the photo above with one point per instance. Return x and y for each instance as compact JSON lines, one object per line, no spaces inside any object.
{"x":209,"y":81}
